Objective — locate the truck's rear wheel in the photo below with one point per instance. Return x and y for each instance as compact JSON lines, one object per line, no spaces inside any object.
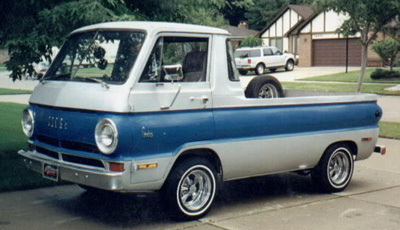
{"x":264,"y":87}
{"x":191,"y":189}
{"x":335,"y":169}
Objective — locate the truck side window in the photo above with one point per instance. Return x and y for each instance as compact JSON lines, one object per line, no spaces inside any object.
{"x":233,"y":73}
{"x":181,"y":59}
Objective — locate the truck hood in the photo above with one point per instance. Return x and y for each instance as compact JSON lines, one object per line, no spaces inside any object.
{"x":78,"y":95}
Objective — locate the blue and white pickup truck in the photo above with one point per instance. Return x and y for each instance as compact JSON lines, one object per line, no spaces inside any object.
{"x":150,"y":106}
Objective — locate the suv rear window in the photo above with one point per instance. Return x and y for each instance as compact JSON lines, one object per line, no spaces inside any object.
{"x":247,"y":53}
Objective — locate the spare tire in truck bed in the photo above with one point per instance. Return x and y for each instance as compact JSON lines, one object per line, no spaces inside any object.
{"x":264,"y":86}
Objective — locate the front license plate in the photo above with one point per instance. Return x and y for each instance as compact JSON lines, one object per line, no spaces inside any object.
{"x":50,"y":172}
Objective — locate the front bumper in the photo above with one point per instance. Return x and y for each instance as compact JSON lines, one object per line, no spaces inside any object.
{"x":84,"y":175}
{"x":132,"y":179}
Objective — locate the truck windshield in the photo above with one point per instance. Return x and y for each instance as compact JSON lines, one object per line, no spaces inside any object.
{"x":97,"y":56}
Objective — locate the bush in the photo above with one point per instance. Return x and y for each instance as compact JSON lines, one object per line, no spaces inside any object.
{"x":250,"y":41}
{"x":385,"y":74}
{"x":387,"y":49}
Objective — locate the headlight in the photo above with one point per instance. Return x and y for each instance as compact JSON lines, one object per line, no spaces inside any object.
{"x":27,"y":122}
{"x":106,"y":136}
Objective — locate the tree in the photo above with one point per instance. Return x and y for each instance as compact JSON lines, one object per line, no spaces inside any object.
{"x":366,"y":17}
{"x":30,"y":28}
{"x":202,"y":12}
{"x":387,"y":49}
{"x":234,"y":11}
{"x":250,"y":41}
{"x":261,"y":12}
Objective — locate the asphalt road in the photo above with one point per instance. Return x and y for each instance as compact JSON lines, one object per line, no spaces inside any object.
{"x":284,"y":201}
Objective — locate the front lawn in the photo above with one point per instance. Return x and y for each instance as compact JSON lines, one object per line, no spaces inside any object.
{"x":389,"y":130}
{"x":352,"y":76}
{"x":13,"y":91}
{"x":340,"y":87}
{"x":14,"y":175}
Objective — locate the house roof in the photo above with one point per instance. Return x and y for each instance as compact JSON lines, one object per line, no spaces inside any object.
{"x":240,"y":32}
{"x":304,"y":11}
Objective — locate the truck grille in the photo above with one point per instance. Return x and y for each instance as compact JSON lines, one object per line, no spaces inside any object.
{"x":66,"y":157}
{"x":72,"y":145}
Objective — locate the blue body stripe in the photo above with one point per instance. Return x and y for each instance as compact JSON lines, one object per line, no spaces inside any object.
{"x":164,"y":133}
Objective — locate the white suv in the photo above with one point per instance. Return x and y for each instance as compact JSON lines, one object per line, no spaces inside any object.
{"x":261,"y":57}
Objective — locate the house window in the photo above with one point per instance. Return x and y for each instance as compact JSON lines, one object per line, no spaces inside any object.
{"x":277,"y":42}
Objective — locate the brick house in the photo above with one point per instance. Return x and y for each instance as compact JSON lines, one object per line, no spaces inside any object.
{"x":313,"y":38}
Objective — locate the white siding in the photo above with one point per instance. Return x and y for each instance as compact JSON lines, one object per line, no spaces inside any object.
{"x":272,"y":29}
{"x":285,"y":44}
{"x":265,"y":41}
{"x":265,"y":34}
{"x":334,"y":20}
{"x":279,"y":27}
{"x":318,"y":23}
{"x":286,"y":22}
{"x":293,"y":18}
{"x":306,"y":29}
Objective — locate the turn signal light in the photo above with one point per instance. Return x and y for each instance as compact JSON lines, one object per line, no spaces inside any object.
{"x":148,"y":166}
{"x":116,"y":167}
{"x":366,"y":139}
{"x":249,"y":60}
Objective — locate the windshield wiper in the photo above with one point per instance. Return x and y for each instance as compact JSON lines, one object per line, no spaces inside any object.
{"x":103,"y":83}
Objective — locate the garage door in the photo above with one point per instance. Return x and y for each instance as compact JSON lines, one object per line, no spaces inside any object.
{"x":332,"y":52}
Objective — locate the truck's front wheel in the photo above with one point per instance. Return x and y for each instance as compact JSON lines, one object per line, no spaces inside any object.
{"x":191,"y":188}
{"x":335,"y":169}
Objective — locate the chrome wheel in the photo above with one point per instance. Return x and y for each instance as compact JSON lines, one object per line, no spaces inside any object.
{"x":268,"y":91}
{"x":195,"y":189}
{"x":339,"y":167}
{"x":335,"y":169}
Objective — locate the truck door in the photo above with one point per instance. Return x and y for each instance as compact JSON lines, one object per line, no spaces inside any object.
{"x":174,"y":89}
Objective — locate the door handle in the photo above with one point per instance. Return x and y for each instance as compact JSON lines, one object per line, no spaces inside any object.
{"x":204,"y":99}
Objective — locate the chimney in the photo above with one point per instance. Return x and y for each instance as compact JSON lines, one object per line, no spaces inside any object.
{"x":243,"y":25}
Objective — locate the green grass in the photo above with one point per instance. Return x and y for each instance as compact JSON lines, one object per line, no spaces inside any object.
{"x":14,"y":175}
{"x":13,"y":91}
{"x":3,"y":67}
{"x":340,"y":87}
{"x":352,"y":76}
{"x":389,"y":130}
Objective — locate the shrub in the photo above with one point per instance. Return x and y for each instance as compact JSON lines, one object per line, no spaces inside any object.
{"x":387,"y":49}
{"x":250,"y":41}
{"x":384,"y":74}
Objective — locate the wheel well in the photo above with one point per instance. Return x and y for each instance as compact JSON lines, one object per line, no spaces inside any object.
{"x":352,"y":145}
{"x":260,"y":63}
{"x":208,"y":154}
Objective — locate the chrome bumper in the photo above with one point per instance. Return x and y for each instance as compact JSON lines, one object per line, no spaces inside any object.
{"x":77,"y":174}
